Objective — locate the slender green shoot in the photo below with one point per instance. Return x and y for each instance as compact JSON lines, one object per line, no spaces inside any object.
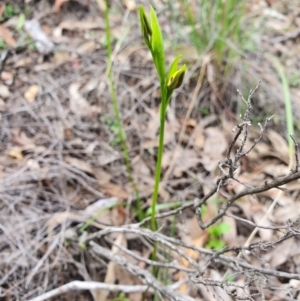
{"x":288,"y":103}
{"x":153,"y":38}
{"x":138,"y":208}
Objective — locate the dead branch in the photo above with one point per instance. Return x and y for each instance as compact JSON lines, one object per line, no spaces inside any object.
{"x":142,"y":274}
{"x":248,"y":191}
{"x":214,"y":256}
{"x":90,"y":285}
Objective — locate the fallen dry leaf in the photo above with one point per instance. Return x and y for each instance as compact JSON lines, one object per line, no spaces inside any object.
{"x":7,"y":36}
{"x":31,"y":93}
{"x":16,"y":153}
{"x":7,"y":77}
{"x":215,"y":145}
{"x":214,"y":293}
{"x":191,"y":234}
{"x":61,"y":57}
{"x":288,"y":208}
{"x":78,"y":104}
{"x":61,"y":217}
{"x":87,"y":47}
{"x":284,"y":251}
{"x":112,"y":267}
{"x":280,"y":145}
{"x":102,"y":176}
{"x":142,"y":174}
{"x":101,"y":4}
{"x":261,"y":150}
{"x":196,"y":242}
{"x":151,"y":131}
{"x":107,"y":157}
{"x":274,"y":169}
{"x":112,"y":189}
{"x":43,"y":67}
{"x":105,"y":217}
{"x":153,"y":125}
{"x":130,"y":4}
{"x":80,"y":164}
{"x":126,"y":278}
{"x":198,"y":136}
{"x":58,"y":4}
{"x":264,"y":234}
{"x":185,"y":159}
{"x":24,"y":62}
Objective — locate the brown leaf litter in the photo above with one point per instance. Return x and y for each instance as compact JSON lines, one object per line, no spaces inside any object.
{"x":59,"y":168}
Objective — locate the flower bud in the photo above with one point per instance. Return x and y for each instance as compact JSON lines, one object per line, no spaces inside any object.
{"x":145,"y":25}
{"x":176,"y":78}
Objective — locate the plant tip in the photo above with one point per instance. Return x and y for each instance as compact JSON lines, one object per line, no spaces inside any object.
{"x":176,"y":78}
{"x":145,"y":26}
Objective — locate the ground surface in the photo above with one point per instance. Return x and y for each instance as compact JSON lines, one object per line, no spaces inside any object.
{"x":60,"y":155}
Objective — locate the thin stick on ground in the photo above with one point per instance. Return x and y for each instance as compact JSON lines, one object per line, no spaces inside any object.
{"x":90,"y":285}
{"x":142,"y":274}
{"x":230,"y":261}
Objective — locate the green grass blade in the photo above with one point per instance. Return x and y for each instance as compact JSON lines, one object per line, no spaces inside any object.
{"x":287,"y":101}
{"x":122,"y":135}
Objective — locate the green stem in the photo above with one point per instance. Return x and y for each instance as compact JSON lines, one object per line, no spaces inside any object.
{"x":138,"y":208}
{"x":163,"y":109}
{"x":159,"y":156}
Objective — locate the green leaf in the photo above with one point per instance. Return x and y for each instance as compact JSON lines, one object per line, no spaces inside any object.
{"x":215,"y":244}
{"x":31,"y":46}
{"x":27,"y":10}
{"x":224,"y":228}
{"x":9,"y":11}
{"x":174,"y":67}
{"x":229,"y":279}
{"x":218,"y":229}
{"x":157,"y":46}
{"x":145,"y":27}
{"x":21,"y":21}
{"x":2,"y":44}
{"x":203,"y":211}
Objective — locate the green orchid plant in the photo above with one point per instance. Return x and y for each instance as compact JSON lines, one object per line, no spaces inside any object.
{"x":153,"y":38}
